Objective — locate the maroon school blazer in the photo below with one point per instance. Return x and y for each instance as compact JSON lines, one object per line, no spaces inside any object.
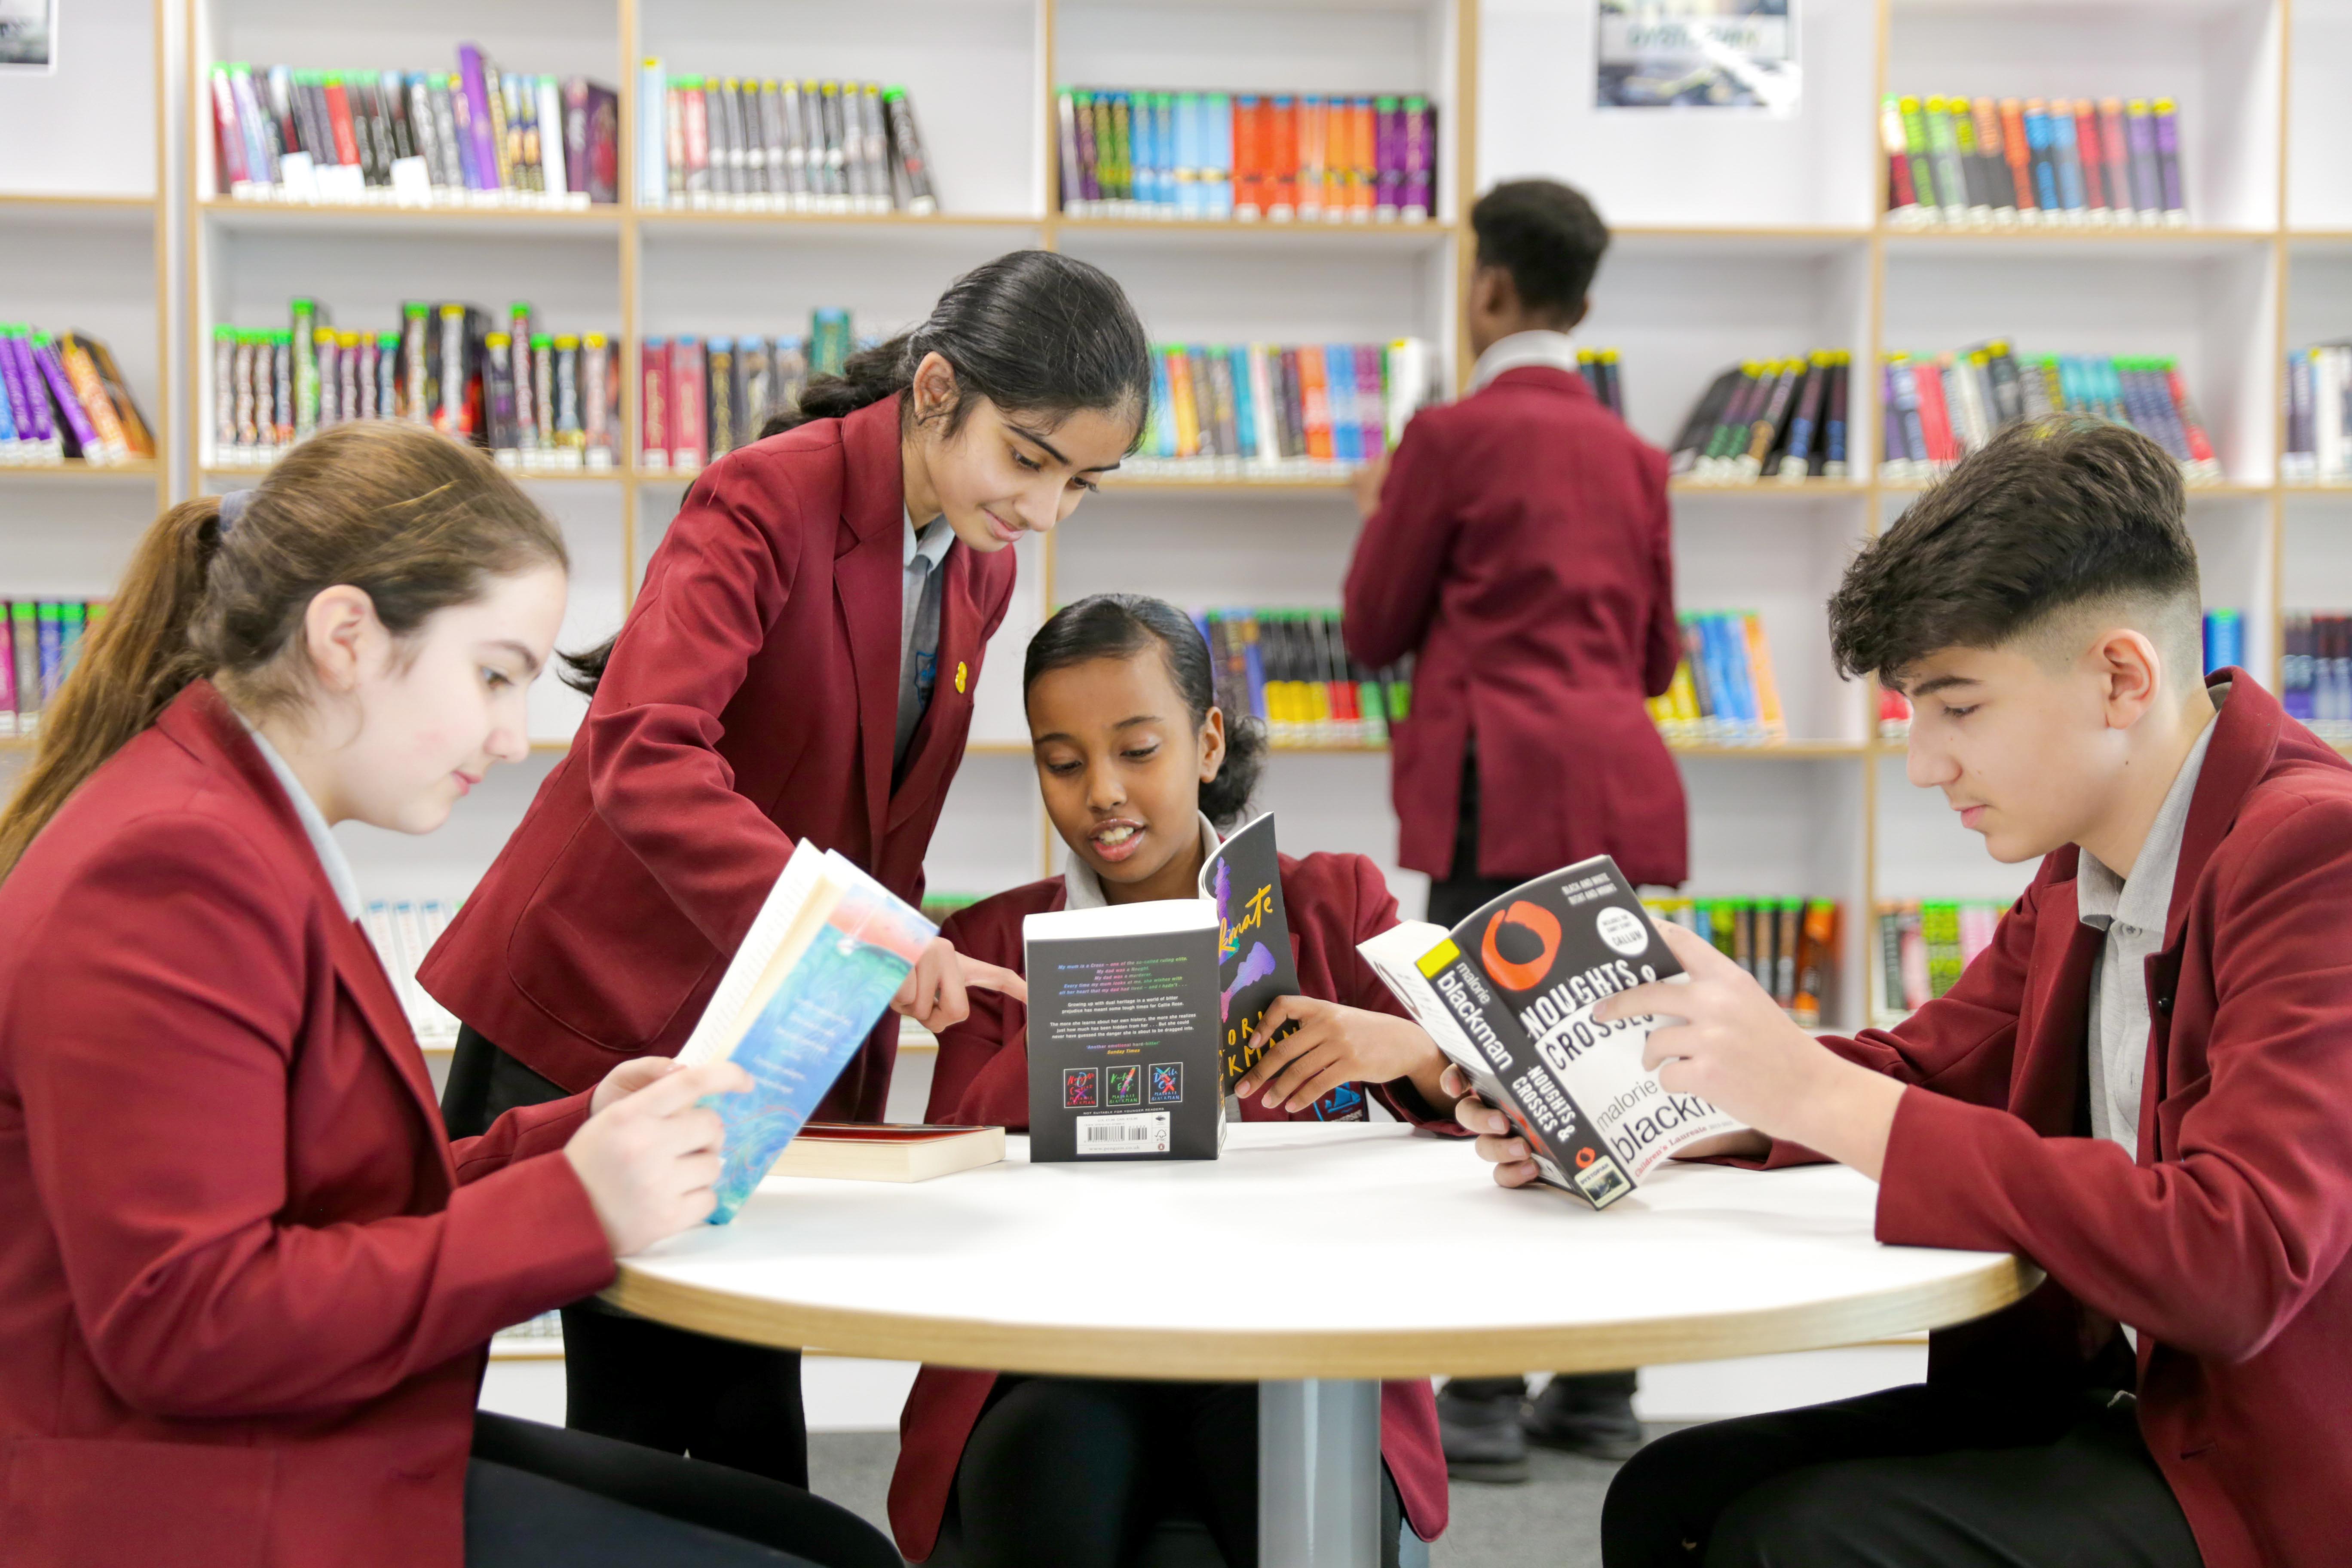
{"x":2224,"y":1241}
{"x":246,"y":1281}
{"x":1522,"y":550}
{"x":751,"y":700}
{"x":1333,"y":902}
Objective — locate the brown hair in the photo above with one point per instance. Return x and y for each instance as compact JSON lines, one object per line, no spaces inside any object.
{"x":2050,"y":515}
{"x":411,"y":518}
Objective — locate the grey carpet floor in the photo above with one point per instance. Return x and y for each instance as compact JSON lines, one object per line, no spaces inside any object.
{"x":1553,"y":1520}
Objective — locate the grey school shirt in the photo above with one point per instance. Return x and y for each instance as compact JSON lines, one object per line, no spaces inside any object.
{"x":2131,"y":912}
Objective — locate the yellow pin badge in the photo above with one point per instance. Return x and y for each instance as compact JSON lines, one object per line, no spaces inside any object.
{"x":963,"y":672}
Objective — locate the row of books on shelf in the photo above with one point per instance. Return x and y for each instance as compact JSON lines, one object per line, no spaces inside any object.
{"x":1290,"y":670}
{"x":539,"y":401}
{"x":1237,"y":409}
{"x":752,"y":144}
{"x":1782,"y":418}
{"x":45,"y":637}
{"x":700,"y":398}
{"x":403,"y":931}
{"x":1723,"y":691}
{"x":2011,"y":160}
{"x":1923,"y":945}
{"x":475,"y":136}
{"x":1788,"y":945}
{"x":1936,"y":409}
{"x":1279,"y":157}
{"x":2318,"y":416}
{"x":62,"y":399}
{"x":2315,"y":672}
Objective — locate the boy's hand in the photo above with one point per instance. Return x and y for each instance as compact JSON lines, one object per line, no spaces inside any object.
{"x":1736,"y":1048}
{"x":628,"y":1077}
{"x":1334,"y":1044}
{"x":1498,"y":1145}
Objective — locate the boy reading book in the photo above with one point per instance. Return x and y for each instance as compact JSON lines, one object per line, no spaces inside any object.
{"x":1519,"y":548}
{"x":2142,"y":1085}
{"x":1137,"y":764}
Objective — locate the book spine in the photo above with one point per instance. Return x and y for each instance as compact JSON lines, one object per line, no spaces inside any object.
{"x":1315,"y":395}
{"x":687,"y":448}
{"x":2087,"y":154}
{"x":913,"y":166}
{"x":2115,"y":149}
{"x":2147,"y":184}
{"x":2167,"y":162}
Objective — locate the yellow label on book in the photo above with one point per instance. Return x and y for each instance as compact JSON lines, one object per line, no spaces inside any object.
{"x":1437,"y":958}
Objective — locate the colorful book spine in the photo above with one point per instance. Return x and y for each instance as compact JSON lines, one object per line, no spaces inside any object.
{"x":1276,"y":411}
{"x":1289,"y":671}
{"x":1245,"y":157}
{"x":1780,"y":419}
{"x":44,"y":642}
{"x":749,"y":144}
{"x":1725,"y":691}
{"x":1787,"y":945}
{"x":1939,"y":408}
{"x":1980,"y":162}
{"x":1923,"y":946}
{"x":62,"y":400}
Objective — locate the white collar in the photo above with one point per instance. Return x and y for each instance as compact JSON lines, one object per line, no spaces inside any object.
{"x":930,"y":541}
{"x":1549,"y":350}
{"x":331,"y":858}
{"x":1082,"y":890}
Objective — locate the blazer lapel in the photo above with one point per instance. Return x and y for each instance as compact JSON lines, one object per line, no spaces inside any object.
{"x":868,"y":583}
{"x":946,"y":718}
{"x":357,"y":967}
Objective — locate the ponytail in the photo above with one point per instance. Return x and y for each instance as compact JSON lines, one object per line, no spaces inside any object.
{"x":129,"y":666}
{"x":1035,"y":332}
{"x":415,"y":521}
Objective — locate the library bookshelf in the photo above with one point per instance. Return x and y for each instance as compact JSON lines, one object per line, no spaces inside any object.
{"x":1736,"y":236}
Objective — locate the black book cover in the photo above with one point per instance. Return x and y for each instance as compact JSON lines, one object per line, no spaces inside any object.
{"x":1123,"y":1042}
{"x":1699,"y":428}
{"x":1243,"y":881}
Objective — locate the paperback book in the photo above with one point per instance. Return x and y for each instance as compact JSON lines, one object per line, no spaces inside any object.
{"x":1508,"y":995}
{"x":45,"y":639}
{"x":828,"y":950}
{"x":856,"y":1152}
{"x":1276,"y":411}
{"x":1925,"y":944}
{"x":1723,"y":692}
{"x":1780,"y":419}
{"x":62,"y":400}
{"x":1936,"y":409}
{"x":1290,"y":670}
{"x":1788,"y":945}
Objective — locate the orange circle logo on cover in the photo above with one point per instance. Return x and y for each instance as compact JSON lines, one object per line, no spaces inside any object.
{"x":1519,"y":944}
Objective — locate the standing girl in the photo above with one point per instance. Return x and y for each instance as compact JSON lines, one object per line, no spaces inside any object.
{"x":800,"y":663}
{"x":1139,"y":770}
{"x":246,"y":1282}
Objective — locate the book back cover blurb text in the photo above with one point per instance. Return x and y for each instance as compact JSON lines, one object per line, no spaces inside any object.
{"x":1123,"y":1044}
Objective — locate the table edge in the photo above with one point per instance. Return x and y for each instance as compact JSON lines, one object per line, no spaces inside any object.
{"x":1211,"y":1354}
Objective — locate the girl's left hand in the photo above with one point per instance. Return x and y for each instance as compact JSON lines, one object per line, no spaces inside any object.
{"x":628,"y":1077}
{"x":1334,"y":1044}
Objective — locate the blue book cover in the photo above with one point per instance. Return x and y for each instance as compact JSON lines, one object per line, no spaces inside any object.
{"x":1162,"y":440}
{"x":828,"y":951}
{"x":1244,"y":402}
{"x":1339,"y":387}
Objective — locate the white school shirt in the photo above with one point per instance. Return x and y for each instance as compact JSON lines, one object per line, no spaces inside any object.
{"x":1549,"y":350}
{"x":337,"y":865}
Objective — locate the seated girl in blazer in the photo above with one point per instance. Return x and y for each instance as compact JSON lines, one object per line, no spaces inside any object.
{"x":1138,"y":766}
{"x":246,"y":1280}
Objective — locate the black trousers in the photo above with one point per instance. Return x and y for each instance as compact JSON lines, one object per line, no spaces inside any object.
{"x":1451,"y":901}
{"x":641,"y":1382}
{"x":1907,"y":1477}
{"x":540,"y":1497}
{"x":1067,"y":1472}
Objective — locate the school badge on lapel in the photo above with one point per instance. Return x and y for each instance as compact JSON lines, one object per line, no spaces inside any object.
{"x":962,"y":672}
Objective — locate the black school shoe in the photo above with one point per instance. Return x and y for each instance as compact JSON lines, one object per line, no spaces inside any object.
{"x":1478,"y":1424}
{"x":1589,"y":1414}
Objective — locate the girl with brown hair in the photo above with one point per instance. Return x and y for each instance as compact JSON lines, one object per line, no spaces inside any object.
{"x":247,"y":1281}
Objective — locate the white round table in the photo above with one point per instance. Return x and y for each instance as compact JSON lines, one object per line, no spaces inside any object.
{"x":1315,"y":1260}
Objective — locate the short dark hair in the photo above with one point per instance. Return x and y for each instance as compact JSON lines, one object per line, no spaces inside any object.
{"x":2048,"y":514}
{"x":1547,"y":236}
{"x":1121,"y":626}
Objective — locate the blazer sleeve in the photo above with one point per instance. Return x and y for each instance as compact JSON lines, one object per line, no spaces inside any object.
{"x":652,"y":735}
{"x":152,"y":1065}
{"x":982,"y":1075}
{"x":1662,"y":647}
{"x":1391,"y":588}
{"x":1375,"y":909}
{"x":522,"y":1133}
{"x":2215,"y":1247}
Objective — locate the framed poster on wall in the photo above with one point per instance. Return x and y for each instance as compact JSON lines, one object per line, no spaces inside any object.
{"x":1697,"y":54}
{"x":28,"y":35}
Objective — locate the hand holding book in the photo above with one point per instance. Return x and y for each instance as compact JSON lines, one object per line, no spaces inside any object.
{"x":1333,"y":1045}
{"x":1730,"y":1044}
{"x":648,"y":1157}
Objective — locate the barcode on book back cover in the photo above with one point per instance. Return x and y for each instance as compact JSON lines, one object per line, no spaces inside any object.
{"x":1144,"y":1134}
